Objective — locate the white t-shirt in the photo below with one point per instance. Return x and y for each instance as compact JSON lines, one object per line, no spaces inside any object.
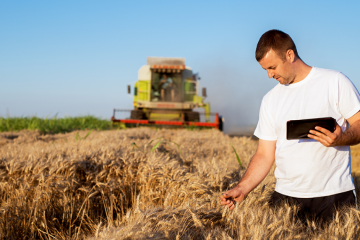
{"x":305,"y":168}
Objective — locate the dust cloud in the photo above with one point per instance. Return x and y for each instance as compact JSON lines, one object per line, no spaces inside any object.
{"x":235,"y":92}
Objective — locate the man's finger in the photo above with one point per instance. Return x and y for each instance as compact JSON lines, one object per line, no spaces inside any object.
{"x":226,"y":195}
{"x":316,"y":137}
{"x":223,"y":203}
{"x":313,"y":136}
{"x":232,"y":206}
{"x":319,"y":136}
{"x":324,"y":131}
{"x":226,"y":201}
{"x":229,"y":204}
{"x":319,"y":139}
{"x":316,"y":133}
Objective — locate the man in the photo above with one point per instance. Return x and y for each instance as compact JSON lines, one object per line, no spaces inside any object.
{"x":166,"y":83}
{"x":312,"y":173}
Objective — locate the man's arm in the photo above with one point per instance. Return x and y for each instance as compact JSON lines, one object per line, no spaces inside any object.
{"x":338,"y":138}
{"x":259,"y":167}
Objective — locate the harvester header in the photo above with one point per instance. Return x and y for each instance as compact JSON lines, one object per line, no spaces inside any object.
{"x":166,"y":93}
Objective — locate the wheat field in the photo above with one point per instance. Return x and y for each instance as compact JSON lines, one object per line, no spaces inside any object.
{"x":142,"y":184}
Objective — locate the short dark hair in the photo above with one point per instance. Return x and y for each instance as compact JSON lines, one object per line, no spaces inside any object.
{"x":276,"y":40}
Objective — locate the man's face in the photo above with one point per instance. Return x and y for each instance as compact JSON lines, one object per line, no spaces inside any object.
{"x":278,"y":68}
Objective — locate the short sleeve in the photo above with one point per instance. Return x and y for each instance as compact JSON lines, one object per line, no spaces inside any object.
{"x":265,"y":129}
{"x":348,"y":98}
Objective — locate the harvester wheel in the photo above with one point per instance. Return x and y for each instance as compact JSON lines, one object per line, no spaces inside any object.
{"x":192,"y":117}
{"x":137,"y":114}
{"x":221,"y":123}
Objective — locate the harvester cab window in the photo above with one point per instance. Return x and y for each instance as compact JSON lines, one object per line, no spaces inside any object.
{"x":166,"y":87}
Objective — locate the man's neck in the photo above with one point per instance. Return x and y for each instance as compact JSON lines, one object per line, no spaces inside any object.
{"x":302,"y":70}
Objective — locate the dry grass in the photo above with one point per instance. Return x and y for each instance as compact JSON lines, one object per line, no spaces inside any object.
{"x":105,"y":187}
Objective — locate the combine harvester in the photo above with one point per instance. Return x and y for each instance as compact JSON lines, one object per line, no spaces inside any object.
{"x":166,"y":94}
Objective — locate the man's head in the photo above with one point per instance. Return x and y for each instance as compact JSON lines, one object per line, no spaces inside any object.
{"x":277,"y":41}
{"x":164,"y":76}
{"x":276,"y":52}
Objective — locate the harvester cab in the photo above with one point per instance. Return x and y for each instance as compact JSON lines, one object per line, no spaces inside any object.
{"x":166,"y":93}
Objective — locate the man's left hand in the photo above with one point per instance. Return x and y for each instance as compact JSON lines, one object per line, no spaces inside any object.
{"x":325,"y":137}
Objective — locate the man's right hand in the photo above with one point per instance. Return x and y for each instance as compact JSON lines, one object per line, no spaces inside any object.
{"x":259,"y":167}
{"x":232,"y":196}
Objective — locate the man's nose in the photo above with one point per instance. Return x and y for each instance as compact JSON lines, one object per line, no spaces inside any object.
{"x":270,"y":73}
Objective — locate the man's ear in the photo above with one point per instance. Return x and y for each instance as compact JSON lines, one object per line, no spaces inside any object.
{"x":290,"y":55}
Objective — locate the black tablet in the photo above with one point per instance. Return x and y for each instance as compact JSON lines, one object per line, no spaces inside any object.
{"x":299,"y":129}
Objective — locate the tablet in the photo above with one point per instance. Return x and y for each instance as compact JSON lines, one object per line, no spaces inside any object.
{"x":299,"y":129}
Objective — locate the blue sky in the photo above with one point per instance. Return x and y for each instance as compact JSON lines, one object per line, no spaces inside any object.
{"x":77,"y":57}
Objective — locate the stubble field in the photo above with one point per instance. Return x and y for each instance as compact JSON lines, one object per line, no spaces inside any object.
{"x":124,"y":184}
